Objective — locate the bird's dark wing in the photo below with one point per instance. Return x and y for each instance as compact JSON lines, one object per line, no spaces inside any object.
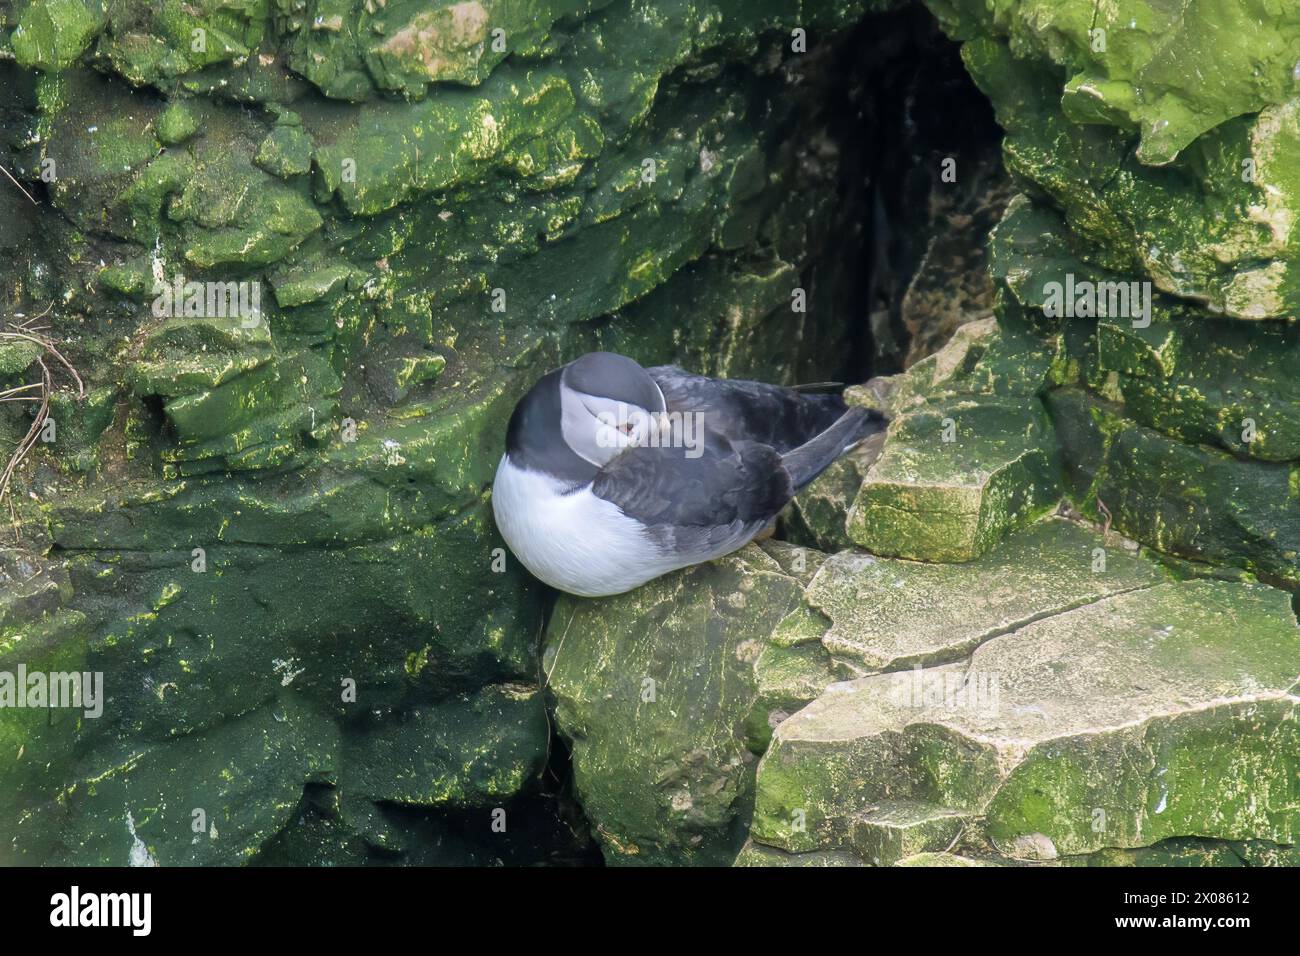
{"x":749,"y":411}
{"x":703,"y":506}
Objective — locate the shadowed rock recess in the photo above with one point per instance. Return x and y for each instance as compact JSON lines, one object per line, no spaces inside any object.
{"x":1048,"y":619}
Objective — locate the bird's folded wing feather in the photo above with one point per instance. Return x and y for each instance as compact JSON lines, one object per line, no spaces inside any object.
{"x":698,"y":504}
{"x":755,"y":411}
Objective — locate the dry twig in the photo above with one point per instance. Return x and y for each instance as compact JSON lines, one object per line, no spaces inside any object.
{"x":10,"y":176}
{"x":39,"y":392}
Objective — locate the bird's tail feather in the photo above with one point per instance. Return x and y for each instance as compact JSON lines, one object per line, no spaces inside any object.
{"x":814,"y":456}
{"x":834,"y":387}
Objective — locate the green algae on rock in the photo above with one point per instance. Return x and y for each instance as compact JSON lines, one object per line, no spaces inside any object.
{"x":657,"y":714}
{"x":889,"y":614}
{"x":1214,"y":227}
{"x":245,"y":518}
{"x":456,"y":752}
{"x":52,"y":35}
{"x":177,"y":123}
{"x":1140,"y":408}
{"x":1152,"y":732}
{"x":757,"y":854}
{"x":887,"y":834}
{"x":1186,"y":500}
{"x":251,"y":514}
{"x":931,"y":858}
{"x":953,"y":480}
{"x":286,"y":152}
{"x":238,"y":783}
{"x":1131,"y":64}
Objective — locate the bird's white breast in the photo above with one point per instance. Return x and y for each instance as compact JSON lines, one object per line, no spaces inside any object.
{"x":576,"y":542}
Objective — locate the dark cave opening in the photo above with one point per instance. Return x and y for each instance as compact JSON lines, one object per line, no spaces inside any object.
{"x":921,"y":185}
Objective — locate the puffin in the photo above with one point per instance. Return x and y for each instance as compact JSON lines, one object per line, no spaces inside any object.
{"x":615,"y":474}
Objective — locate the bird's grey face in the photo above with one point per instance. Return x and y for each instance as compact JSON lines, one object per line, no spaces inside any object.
{"x":608,"y":403}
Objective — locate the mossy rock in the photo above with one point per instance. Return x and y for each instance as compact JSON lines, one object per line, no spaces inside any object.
{"x":756,"y":854}
{"x":1187,"y":500}
{"x":1112,"y":61}
{"x":1130,"y":720}
{"x":886,"y":614}
{"x":470,"y":750}
{"x":887,"y":834}
{"x":52,"y":34}
{"x":953,"y":480}
{"x":654,"y":690}
{"x":286,"y":152}
{"x":177,"y":123}
{"x":1210,"y":225}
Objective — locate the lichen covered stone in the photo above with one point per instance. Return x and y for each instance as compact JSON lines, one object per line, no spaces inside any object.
{"x":953,"y":480}
{"x":1138,"y":717}
{"x":656,"y":715}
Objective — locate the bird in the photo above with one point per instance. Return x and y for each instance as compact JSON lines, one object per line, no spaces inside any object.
{"x":615,"y":474}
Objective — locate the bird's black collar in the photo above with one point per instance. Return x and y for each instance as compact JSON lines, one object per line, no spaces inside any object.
{"x":534,"y":440}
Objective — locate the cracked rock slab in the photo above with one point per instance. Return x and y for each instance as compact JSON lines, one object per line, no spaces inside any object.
{"x":940,"y":859}
{"x":1162,"y":712}
{"x":886,"y":614}
{"x":891,"y":832}
{"x":756,"y":854}
{"x":953,"y":479}
{"x":656,"y":690}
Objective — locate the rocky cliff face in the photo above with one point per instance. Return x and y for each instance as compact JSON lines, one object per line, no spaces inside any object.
{"x":281,"y":268}
{"x":269,"y":527}
{"x":1052,"y":619}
